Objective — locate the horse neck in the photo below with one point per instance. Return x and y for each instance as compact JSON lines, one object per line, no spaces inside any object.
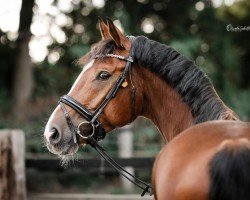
{"x":162,"y":105}
{"x":166,"y":108}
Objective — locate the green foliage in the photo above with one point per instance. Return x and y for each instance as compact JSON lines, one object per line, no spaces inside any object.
{"x":199,"y":35}
{"x":187,"y":46}
{"x":78,"y":50}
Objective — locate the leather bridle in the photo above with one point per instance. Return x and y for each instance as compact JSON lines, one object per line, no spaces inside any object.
{"x":91,"y":118}
{"x":98,"y":132}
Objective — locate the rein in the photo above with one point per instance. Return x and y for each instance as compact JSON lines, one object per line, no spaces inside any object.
{"x":98,"y":132}
{"x":138,"y":182}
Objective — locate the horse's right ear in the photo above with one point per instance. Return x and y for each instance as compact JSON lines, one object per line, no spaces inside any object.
{"x":104,"y":29}
{"x":119,"y":38}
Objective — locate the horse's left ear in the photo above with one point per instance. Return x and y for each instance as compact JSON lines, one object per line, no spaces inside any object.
{"x":120,"y":40}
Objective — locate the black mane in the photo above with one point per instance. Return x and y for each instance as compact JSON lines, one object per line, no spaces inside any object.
{"x":179,"y":72}
{"x":183,"y":75}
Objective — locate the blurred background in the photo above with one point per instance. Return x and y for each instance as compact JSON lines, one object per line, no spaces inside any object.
{"x":41,"y":39}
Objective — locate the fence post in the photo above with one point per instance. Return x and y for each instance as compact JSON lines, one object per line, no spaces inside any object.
{"x":125,"y":150}
{"x":12,"y":167}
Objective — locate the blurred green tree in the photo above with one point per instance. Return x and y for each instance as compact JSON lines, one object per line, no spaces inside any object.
{"x":195,"y":28}
{"x":62,"y":31}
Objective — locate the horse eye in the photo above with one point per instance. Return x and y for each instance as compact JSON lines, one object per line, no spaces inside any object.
{"x":103,"y":75}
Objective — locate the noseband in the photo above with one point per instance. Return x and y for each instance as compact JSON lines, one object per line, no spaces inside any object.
{"x":98,"y":132}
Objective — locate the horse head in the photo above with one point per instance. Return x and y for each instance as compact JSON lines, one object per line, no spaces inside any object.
{"x":104,"y":91}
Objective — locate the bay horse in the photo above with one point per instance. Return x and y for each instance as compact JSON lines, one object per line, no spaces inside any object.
{"x":208,"y":150}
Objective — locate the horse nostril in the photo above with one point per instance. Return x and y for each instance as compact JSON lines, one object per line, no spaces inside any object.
{"x":54,"y":135}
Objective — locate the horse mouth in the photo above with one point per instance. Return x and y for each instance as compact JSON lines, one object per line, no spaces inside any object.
{"x":62,"y":150}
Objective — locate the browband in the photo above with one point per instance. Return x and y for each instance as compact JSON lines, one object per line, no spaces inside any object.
{"x":110,"y":55}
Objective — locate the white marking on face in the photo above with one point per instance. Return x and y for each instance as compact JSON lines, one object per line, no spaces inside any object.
{"x":85,"y":68}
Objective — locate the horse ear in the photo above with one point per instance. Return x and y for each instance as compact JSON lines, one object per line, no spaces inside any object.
{"x":117,"y":35}
{"x":104,"y":29}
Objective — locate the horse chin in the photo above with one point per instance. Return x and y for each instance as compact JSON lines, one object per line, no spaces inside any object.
{"x":67,"y":157}
{"x":63,"y":150}
{"x":66,"y":154}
